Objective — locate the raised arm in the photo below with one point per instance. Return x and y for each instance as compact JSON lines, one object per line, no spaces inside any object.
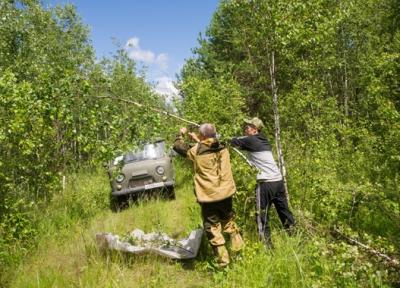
{"x":240,"y":142}
{"x":180,"y":146}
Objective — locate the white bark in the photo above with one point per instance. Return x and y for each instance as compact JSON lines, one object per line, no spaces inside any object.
{"x":274,"y":90}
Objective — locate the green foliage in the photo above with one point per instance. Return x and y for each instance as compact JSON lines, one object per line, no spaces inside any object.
{"x":25,"y":225}
{"x":121,"y":126}
{"x":51,"y":119}
{"x":245,"y":196}
{"x":18,"y":230}
{"x":67,"y":254}
{"x":203,"y":100}
{"x":337,"y":71}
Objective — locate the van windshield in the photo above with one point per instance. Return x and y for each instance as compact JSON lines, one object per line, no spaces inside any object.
{"x":149,"y":151}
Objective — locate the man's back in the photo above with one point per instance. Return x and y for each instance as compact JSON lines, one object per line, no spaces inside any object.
{"x":214,"y":187}
{"x":213,"y":177}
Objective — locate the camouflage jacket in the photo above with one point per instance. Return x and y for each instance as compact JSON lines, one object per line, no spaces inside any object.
{"x":213,"y":180}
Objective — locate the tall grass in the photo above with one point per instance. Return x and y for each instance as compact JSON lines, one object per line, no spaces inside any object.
{"x":67,"y":255}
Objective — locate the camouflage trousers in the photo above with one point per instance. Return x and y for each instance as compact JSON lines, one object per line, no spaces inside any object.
{"x":218,"y":218}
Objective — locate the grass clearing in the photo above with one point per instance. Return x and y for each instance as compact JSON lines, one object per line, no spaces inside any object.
{"x":67,"y":255}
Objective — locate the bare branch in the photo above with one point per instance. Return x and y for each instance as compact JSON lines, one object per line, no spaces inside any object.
{"x":391,"y":260}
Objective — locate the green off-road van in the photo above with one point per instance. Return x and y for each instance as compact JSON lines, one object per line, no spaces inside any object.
{"x":142,"y":172}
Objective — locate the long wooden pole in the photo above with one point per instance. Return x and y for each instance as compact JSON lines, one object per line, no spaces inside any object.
{"x":151,"y":108}
{"x":170,"y":115}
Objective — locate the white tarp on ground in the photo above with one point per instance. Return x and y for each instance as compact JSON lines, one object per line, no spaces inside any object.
{"x":137,"y":242}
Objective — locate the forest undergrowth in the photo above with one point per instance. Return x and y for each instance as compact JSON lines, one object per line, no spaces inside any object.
{"x":66,"y":255}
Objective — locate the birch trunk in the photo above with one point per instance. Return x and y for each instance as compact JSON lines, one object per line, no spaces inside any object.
{"x":274,"y":89}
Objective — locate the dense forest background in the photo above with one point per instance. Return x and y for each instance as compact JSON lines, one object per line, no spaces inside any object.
{"x":332,"y":67}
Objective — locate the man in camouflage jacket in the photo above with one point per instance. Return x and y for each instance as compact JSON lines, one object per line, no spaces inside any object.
{"x":214,"y":187}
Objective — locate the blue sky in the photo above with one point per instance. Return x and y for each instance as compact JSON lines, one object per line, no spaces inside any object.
{"x":156,"y":33}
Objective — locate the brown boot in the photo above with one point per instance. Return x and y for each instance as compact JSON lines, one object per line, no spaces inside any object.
{"x":221,"y":255}
{"x":236,"y":242}
{"x":231,"y":228}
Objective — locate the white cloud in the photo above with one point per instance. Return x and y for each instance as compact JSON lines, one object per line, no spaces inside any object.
{"x":141,"y":55}
{"x":132,"y":43}
{"x":138,"y":54}
{"x":165,"y":86}
{"x":158,"y":67}
{"x":162,"y":61}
